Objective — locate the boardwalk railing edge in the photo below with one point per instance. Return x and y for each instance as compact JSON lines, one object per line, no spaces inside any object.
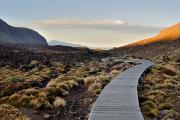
{"x":115,"y":108}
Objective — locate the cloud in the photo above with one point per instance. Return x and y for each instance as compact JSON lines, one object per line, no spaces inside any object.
{"x":93,"y":33}
{"x":107,"y":24}
{"x":80,"y":22}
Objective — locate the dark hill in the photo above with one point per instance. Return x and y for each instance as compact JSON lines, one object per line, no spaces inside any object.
{"x":18,"y":35}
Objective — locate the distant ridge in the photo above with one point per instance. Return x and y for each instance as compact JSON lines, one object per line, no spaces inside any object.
{"x":56,"y":42}
{"x":19,"y":35}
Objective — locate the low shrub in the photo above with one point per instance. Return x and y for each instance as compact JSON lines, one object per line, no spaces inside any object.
{"x":14,"y":79}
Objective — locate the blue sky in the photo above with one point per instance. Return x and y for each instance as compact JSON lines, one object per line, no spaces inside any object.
{"x":95,"y":23}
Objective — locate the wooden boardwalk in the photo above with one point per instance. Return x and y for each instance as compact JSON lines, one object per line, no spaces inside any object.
{"x":119,"y":99}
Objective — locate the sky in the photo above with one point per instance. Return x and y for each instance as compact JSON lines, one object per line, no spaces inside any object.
{"x":93,"y":23}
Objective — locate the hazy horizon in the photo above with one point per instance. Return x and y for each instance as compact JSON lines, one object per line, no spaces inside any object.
{"x":96,"y":24}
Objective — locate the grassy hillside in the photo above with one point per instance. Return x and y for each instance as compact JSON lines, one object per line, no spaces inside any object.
{"x":164,"y":44}
{"x":168,"y":34}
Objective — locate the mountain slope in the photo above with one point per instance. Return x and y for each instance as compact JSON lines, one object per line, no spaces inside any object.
{"x":164,"y":44}
{"x":17,"y":35}
{"x":168,"y":34}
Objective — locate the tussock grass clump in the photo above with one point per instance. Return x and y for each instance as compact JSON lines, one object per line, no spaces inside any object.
{"x":14,"y":79}
{"x":40,"y":103}
{"x":61,"y":86}
{"x":31,"y":98}
{"x":79,"y":72}
{"x":169,"y":71}
{"x":57,"y":64}
{"x":58,"y":102}
{"x":150,"y":104}
{"x":52,"y":91}
{"x":157,"y":92}
{"x":150,"y":109}
{"x":157,"y":67}
{"x":114,"y":72}
{"x":66,"y":85}
{"x":89,"y":80}
{"x":170,"y":115}
{"x":8,"y":112}
{"x":95,"y":84}
{"x":34,"y":71}
{"x":52,"y":83}
{"x":121,"y":67}
{"x":165,"y":106}
{"x":163,"y":70}
{"x":100,"y":78}
{"x":177,"y":58}
{"x":34,"y":63}
{"x":30,"y":91}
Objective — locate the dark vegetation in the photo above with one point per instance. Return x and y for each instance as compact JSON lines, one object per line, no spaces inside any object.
{"x":17,"y":55}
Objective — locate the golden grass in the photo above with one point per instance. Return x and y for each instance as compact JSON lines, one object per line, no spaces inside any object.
{"x":167,"y":34}
{"x":97,"y":83}
{"x":58,"y":102}
{"x":8,"y":112}
{"x":160,"y":93}
{"x":114,"y":72}
{"x":150,"y":109}
{"x":165,"y":106}
{"x":31,"y":98}
{"x":26,"y":88}
{"x":177,"y":59}
{"x":7,"y":73}
{"x":66,"y":85}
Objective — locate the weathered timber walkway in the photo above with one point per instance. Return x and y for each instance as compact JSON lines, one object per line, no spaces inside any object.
{"x":119,"y":99}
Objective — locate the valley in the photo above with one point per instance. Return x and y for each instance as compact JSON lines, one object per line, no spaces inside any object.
{"x":40,"y":82}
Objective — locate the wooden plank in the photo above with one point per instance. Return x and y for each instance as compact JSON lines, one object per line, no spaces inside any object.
{"x":119,"y":99}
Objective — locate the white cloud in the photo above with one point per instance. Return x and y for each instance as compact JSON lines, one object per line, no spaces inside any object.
{"x":80,"y":22}
{"x":93,"y":33}
{"x":107,"y":24}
